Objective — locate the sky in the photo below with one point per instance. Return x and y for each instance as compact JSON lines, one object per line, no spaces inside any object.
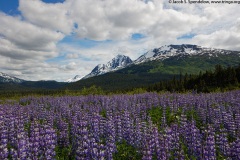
{"x":58,"y":39}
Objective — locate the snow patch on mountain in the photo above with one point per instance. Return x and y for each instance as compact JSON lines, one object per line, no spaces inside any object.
{"x":5,"y":78}
{"x":118,"y":62}
{"x":168,"y":51}
{"x":74,"y":79}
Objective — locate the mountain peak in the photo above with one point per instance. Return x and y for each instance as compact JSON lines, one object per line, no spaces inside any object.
{"x":118,"y":62}
{"x":5,"y":78}
{"x":120,"y":55}
{"x":74,"y":79}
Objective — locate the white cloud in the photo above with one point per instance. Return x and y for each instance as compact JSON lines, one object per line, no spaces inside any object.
{"x":70,"y":66}
{"x":9,"y":49}
{"x":52,"y":16}
{"x":116,"y":19}
{"x":27,"y":36}
{"x":24,"y":47}
{"x":29,"y":70}
{"x":227,"y":39}
{"x":72,"y":56}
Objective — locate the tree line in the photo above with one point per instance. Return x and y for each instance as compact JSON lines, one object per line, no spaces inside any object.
{"x":220,"y":79}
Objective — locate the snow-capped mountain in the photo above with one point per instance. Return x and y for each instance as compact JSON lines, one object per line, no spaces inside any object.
{"x":5,"y":78}
{"x":74,"y":79}
{"x":162,"y":53}
{"x":120,"y":61}
{"x":165,"y":52}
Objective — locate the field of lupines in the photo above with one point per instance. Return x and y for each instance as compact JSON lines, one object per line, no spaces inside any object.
{"x":144,"y":126}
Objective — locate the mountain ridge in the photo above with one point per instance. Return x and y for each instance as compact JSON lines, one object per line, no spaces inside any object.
{"x":150,"y":72}
{"x":165,"y":52}
{"x":162,"y":53}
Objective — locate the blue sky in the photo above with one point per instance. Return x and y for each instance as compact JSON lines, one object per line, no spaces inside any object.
{"x":82,"y":42}
{"x":10,"y":7}
{"x":57,"y":39}
{"x":186,"y":36}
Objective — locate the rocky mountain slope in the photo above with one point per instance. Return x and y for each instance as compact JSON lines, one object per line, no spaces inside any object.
{"x":5,"y":78}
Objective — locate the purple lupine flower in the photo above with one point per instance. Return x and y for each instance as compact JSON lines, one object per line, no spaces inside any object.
{"x":195,"y":140}
{"x":93,"y":148}
{"x":138,"y":133}
{"x":157,"y":142}
{"x":12,"y":134}
{"x":147,"y":151}
{"x":22,"y":146}
{"x":119,"y":128}
{"x":237,"y":148}
{"x":237,"y":123}
{"x":111,"y":139}
{"x":209,"y":148}
{"x":13,"y":154}
{"x":102,"y":152}
{"x":77,"y":120}
{"x":82,"y":150}
{"x":50,"y":142}
{"x":222,"y":142}
{"x":3,"y":138}
{"x":96,"y":127}
{"x":35,"y":140}
{"x":63,"y":137}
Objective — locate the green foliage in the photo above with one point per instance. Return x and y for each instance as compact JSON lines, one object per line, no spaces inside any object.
{"x":103,"y":113}
{"x":137,"y":91}
{"x":43,"y":84}
{"x":126,"y":152}
{"x":220,"y":156}
{"x":24,"y":102}
{"x":118,"y":82}
{"x":15,"y":95}
{"x":172,"y":117}
{"x":92,"y":90}
{"x":186,"y":151}
{"x":222,"y":79}
{"x":192,"y":115}
{"x":63,"y":153}
{"x":27,"y":127}
{"x":156,"y":114}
